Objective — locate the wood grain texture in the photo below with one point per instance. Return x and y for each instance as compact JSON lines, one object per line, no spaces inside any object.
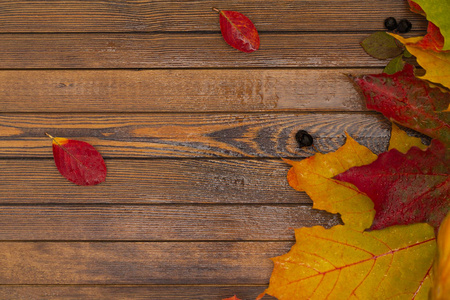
{"x":188,"y":50}
{"x":159,"y":223}
{"x":183,"y":90}
{"x":111,"y":292}
{"x":190,"y":135}
{"x":166,"y":15}
{"x":153,"y":181}
{"x":217,"y":263}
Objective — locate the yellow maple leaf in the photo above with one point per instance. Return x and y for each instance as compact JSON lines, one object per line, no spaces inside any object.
{"x":314,"y":175}
{"x":441,"y":270}
{"x":343,"y":263}
{"x":436,"y":63}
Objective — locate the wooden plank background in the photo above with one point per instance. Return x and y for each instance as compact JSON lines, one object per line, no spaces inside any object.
{"x":196,"y":200}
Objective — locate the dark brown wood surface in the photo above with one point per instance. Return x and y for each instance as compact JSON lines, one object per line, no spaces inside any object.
{"x":196,"y":200}
{"x":181,"y":50}
{"x":180,"y":90}
{"x":152,"y":181}
{"x":167,"y":16}
{"x":191,"y":135}
{"x":230,"y":262}
{"x":161,"y":222}
{"x":143,"y":292}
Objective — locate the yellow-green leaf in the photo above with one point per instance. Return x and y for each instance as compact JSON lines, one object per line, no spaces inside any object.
{"x":438,"y":12}
{"x":436,"y":64}
{"x":314,"y":175}
{"x":343,"y":263}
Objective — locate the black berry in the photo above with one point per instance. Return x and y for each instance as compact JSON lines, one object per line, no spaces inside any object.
{"x":390,"y":23}
{"x":404,"y":26}
{"x":303,"y":139}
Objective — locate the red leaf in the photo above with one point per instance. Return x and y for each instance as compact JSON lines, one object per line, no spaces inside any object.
{"x":238,"y":31}
{"x":406,"y":188}
{"x":78,"y":161}
{"x":433,"y":40}
{"x":416,"y":8}
{"x":409,"y":101}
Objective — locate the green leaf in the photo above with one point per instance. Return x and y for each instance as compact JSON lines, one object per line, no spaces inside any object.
{"x":407,"y":54}
{"x":395,"y":65}
{"x":381,"y":45}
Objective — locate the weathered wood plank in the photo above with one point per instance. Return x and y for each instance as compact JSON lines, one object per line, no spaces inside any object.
{"x":165,"y":15}
{"x":111,"y":292}
{"x":234,"y":263}
{"x":190,"y":135}
{"x":179,"y":90}
{"x":153,"y":181}
{"x":159,"y":223}
{"x":189,"y":50}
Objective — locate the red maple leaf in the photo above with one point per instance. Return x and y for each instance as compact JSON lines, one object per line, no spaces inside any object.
{"x":406,"y":188}
{"x":409,"y":101}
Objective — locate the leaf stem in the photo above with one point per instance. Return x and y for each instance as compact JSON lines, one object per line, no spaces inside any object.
{"x":317,"y":150}
{"x":216,"y":10}
{"x":49,"y":135}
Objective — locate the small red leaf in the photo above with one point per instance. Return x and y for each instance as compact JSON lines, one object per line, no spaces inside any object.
{"x":78,"y":161}
{"x":238,"y":31}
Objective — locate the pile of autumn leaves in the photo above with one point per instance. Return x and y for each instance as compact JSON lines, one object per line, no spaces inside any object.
{"x":392,"y":204}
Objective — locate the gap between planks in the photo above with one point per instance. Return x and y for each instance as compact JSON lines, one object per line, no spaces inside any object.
{"x":154,"y":292}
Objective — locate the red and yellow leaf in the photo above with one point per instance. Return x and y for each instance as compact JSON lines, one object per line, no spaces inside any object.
{"x":314,"y":175}
{"x":238,"y":31}
{"x":416,"y":8}
{"x":406,"y":188}
{"x":343,"y":263}
{"x":433,"y":40}
{"x":409,"y":101}
{"x":437,"y":12}
{"x":78,"y":161}
{"x":441,"y":269}
{"x":436,"y":63}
